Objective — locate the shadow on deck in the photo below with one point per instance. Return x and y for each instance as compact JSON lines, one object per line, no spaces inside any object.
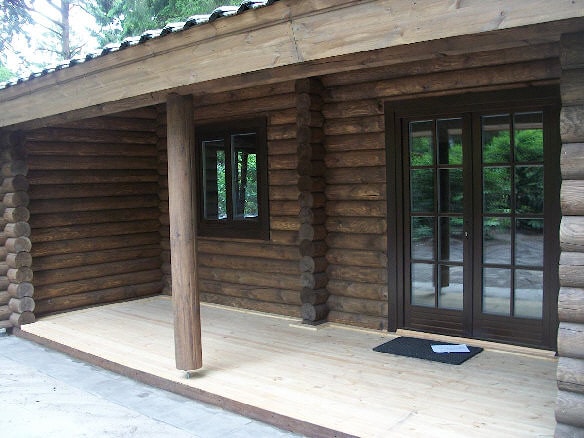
{"x":318,"y":382}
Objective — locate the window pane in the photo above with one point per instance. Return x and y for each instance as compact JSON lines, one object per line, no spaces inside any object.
{"x":497,"y":189}
{"x":529,"y":242}
{"x":449,"y":133}
{"x":451,"y":191}
{"x":496,"y":138}
{"x":421,"y":144}
{"x":529,"y":136}
{"x":450,"y":238}
{"x":528,"y":294}
{"x":422,"y":190}
{"x":497,"y":291}
{"x":423,"y":284}
{"x":245,"y":198}
{"x":215,"y":193}
{"x":529,"y":189}
{"x":450,"y":287}
{"x":422,"y":238}
{"x":497,"y":240}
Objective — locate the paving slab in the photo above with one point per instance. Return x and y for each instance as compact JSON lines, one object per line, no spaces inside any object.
{"x":44,"y":393}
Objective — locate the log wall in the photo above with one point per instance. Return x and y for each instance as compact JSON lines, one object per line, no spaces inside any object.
{"x":356,"y":188}
{"x":570,"y":402}
{"x":252,"y":274}
{"x":94,"y":210}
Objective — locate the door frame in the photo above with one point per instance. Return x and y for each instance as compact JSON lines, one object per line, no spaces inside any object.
{"x":504,"y":100}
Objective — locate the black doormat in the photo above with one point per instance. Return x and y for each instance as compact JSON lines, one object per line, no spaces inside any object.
{"x":422,"y":349}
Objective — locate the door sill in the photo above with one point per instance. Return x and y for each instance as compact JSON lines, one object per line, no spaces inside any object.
{"x":487,"y":345}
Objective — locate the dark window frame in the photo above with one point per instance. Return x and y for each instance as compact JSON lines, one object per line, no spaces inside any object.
{"x":234,"y":228}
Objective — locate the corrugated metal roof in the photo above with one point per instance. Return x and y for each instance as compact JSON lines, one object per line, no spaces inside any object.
{"x":195,"y":20}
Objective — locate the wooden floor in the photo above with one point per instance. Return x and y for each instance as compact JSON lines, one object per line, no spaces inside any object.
{"x":316,"y":380}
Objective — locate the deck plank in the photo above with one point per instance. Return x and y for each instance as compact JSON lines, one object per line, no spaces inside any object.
{"x":328,"y":377}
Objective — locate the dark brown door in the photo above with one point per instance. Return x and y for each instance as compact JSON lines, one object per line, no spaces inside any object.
{"x":476,"y":246}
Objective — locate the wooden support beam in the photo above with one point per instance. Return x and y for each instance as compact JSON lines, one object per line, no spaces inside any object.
{"x":181,"y":194}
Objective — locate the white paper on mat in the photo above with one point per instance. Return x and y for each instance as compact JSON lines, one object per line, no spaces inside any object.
{"x":457,"y":348}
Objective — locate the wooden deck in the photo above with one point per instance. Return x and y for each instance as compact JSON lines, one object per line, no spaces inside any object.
{"x":314,"y":380}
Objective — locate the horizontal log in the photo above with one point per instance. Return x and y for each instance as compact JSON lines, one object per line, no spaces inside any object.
{"x":314,"y":312}
{"x":572,"y":87}
{"x":310,"y":248}
{"x":357,"y":208}
{"x":359,"y":320}
{"x":353,"y":108}
{"x":351,"y":289}
{"x":60,"y":191}
{"x":16,"y":214}
{"x":313,"y":119}
{"x":6,"y":324}
{"x":18,"y":244}
{"x":310,"y":150}
{"x":90,"y":149}
{"x":362,"y":175}
{"x":18,"y":260}
{"x":265,"y":294}
{"x":314,"y":281}
{"x":20,"y":290}
{"x":284,"y":208}
{"x":356,"y":225}
{"x":5,"y":312}
{"x":312,"y":232}
{"x":67,"y":218}
{"x":312,"y":199}
{"x":17,"y":183}
{"x":19,"y":305}
{"x":357,"y":241}
{"x":282,"y":117}
{"x":282,"y":147}
{"x":283,"y":162}
{"x":282,"y":177}
{"x":287,"y":238}
{"x":313,"y":216}
{"x":84,"y":244}
{"x":353,"y":159}
{"x":256,"y":279}
{"x":20,"y":319}
{"x":360,"y":275}
{"x":572,"y":233}
{"x":20,"y":275}
{"x":4,"y":282}
{"x":243,"y":108}
{"x":91,"y":136}
{"x":312,"y":264}
{"x":4,"y":298}
{"x":252,"y":264}
{"x":17,"y":229}
{"x":360,"y":306}
{"x":571,"y":304}
{"x":289,"y":223}
{"x":57,"y":276}
{"x":16,"y":199}
{"x":314,"y":168}
{"x":247,"y":93}
{"x":314,"y":297}
{"x":355,"y":125}
{"x":571,"y":340}
{"x":67,"y":163}
{"x":570,"y":408}
{"x":96,"y":284}
{"x":59,"y":205}
{"x":94,"y":230}
{"x":115,"y":123}
{"x":351,"y":257}
{"x":93,"y":176}
{"x":281,"y":132}
{"x":571,"y":129}
{"x":572,"y":159}
{"x":246,"y":303}
{"x":572,"y":55}
{"x":311,"y":183}
{"x":287,"y":192}
{"x":355,"y":142}
{"x":307,"y":136}
{"x":68,"y":302}
{"x":356,"y":192}
{"x":244,"y":249}
{"x":97,"y":256}
{"x":571,"y":374}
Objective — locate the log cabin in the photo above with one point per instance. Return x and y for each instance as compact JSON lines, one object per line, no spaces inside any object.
{"x":379,"y":163}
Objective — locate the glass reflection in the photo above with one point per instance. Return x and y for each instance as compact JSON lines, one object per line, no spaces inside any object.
{"x":528,"y":294}
{"x":423,"y":285}
{"x":497,"y":240}
{"x":450,"y":238}
{"x":528,"y":136}
{"x":422,"y":238}
{"x":450,"y":191}
{"x":449,"y":135}
{"x":450,"y":291}
{"x":421,"y":143}
{"x":529,"y":242}
{"x":497,"y":291}
{"x":496,"y":138}
{"x":497,"y":189}
{"x":422,"y":190}
{"x":529,"y":189}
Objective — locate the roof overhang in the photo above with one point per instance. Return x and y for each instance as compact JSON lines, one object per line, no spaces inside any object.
{"x":284,"y":37}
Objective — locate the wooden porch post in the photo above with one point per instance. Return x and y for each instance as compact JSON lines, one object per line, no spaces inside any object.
{"x":181,"y":199}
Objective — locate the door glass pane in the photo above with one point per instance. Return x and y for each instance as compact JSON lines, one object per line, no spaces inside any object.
{"x":421,"y":143}
{"x":215,"y":193}
{"x":497,"y":291}
{"x":449,"y":135}
{"x":496,"y":189}
{"x":450,"y":291}
{"x":450,"y":191}
{"x":528,"y":294}
{"x":529,"y":242}
{"x":245,"y":190}
{"x":422,"y":238}
{"x":422,"y":190}
{"x":497,"y":240}
{"x":423,"y":284}
{"x":528,"y":136}
{"x":496,"y":138}
{"x":451,"y":235}
{"x":529,"y":189}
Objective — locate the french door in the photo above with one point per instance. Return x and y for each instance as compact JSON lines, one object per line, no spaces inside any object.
{"x":476,"y":220}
